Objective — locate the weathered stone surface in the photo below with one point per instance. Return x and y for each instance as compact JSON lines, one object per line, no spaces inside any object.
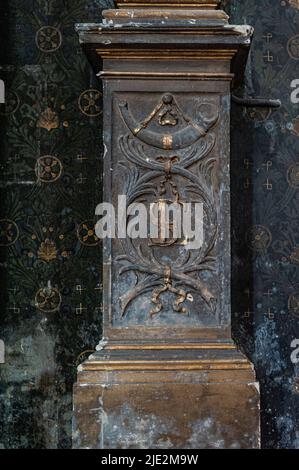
{"x":165,"y":14}
{"x":194,"y":410}
{"x":167,"y":374}
{"x":169,"y":3}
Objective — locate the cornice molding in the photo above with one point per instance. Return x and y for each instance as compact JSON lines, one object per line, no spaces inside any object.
{"x":194,"y":4}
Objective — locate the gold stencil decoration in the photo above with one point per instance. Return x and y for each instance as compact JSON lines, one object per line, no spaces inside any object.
{"x":9,"y":232}
{"x":293,"y":175}
{"x":294,"y":3}
{"x":258,"y":114}
{"x":48,"y":169}
{"x":48,"y":120}
{"x":293,"y":303}
{"x":259,"y":238}
{"x":86,"y":233}
{"x":11,"y":105}
{"x":48,"y":39}
{"x":90,"y":102}
{"x":48,"y":299}
{"x":83,"y":355}
{"x":294,"y":129}
{"x":294,"y":256}
{"x":293,"y":47}
{"x":47,"y":250}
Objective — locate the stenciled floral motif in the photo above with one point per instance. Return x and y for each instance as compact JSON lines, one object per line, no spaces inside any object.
{"x":48,"y":39}
{"x":90,"y":103}
{"x":48,"y":299}
{"x":48,"y":169}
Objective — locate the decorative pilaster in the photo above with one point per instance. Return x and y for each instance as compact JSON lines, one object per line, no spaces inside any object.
{"x":167,"y":373}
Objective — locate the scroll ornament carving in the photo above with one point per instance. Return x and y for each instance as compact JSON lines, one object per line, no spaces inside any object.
{"x":168,"y":112}
{"x":154,"y":177}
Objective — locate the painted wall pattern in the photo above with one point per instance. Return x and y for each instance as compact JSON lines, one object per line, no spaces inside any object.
{"x":50,"y":183}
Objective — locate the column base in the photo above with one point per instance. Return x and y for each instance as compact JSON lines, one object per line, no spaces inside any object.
{"x":166,"y":399}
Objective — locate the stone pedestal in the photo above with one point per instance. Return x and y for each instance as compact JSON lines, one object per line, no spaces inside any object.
{"x":167,"y":373}
{"x":162,"y":399}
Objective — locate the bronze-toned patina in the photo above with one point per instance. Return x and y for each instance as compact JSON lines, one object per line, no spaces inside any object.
{"x":167,"y":373}
{"x":204,"y":4}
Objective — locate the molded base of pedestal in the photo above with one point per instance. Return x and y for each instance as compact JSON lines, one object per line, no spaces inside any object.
{"x":166,"y":409}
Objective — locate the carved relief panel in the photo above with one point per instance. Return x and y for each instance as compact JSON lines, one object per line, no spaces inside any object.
{"x":168,"y":148}
{"x":167,"y":75}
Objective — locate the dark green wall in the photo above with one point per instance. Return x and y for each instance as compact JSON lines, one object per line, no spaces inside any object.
{"x":50,"y":315}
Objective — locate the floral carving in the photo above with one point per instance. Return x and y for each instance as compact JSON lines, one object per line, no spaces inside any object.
{"x":148,"y":178}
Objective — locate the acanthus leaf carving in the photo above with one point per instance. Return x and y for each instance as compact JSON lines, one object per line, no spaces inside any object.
{"x":158,"y":276}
